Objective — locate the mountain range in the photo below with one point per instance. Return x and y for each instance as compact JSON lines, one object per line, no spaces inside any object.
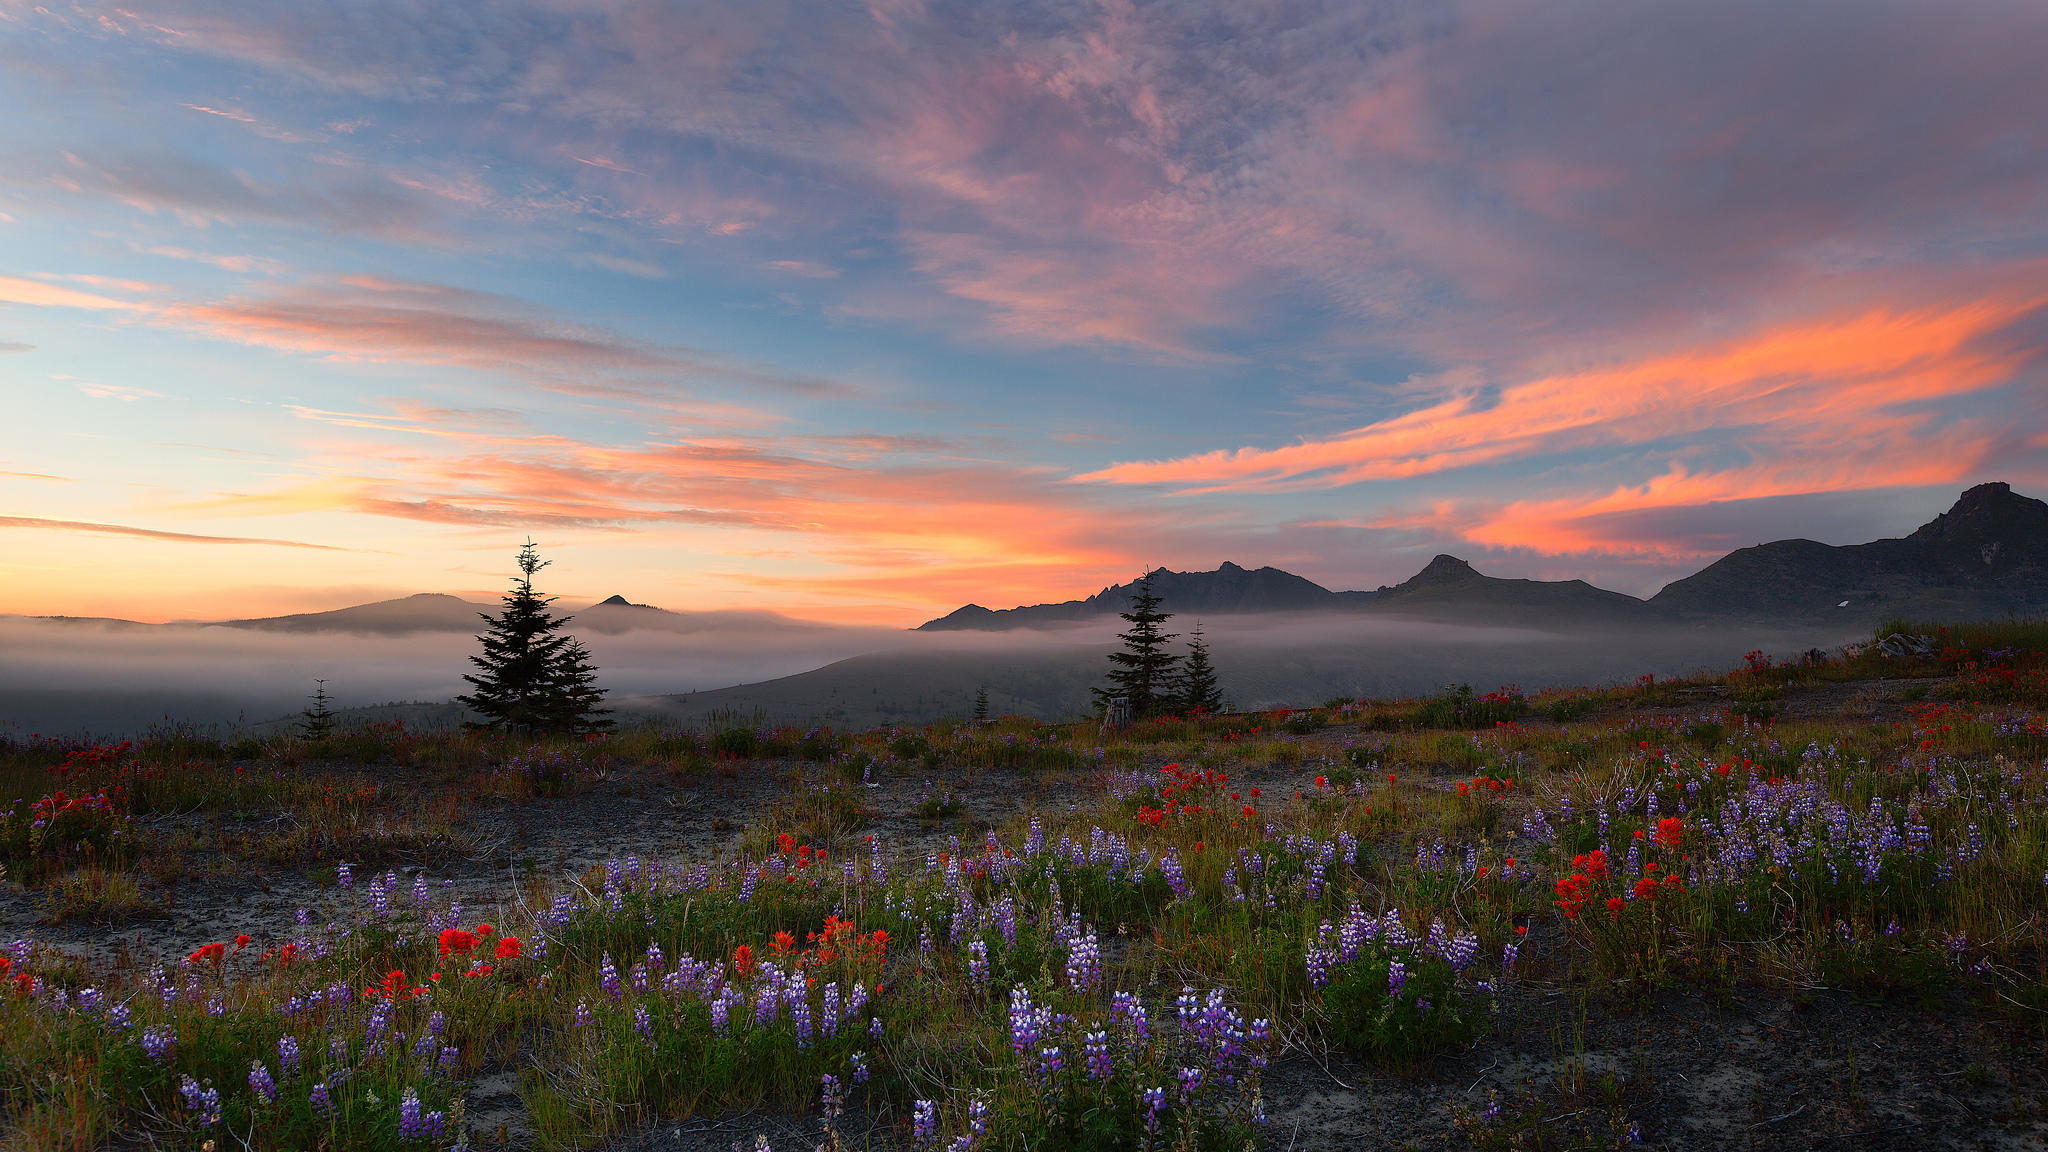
{"x":1986,"y":556}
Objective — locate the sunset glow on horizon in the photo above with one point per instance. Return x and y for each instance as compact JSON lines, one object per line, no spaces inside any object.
{"x":860,"y":313}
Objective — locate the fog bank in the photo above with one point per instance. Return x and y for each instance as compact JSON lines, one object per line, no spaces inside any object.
{"x":70,"y":677}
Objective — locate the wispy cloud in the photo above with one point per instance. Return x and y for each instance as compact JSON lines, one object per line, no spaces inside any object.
{"x":152,"y":533}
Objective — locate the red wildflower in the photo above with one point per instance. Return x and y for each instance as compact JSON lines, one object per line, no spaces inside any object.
{"x":208,"y":954}
{"x":1615,"y":904}
{"x":485,"y":929}
{"x":743,"y":959}
{"x":242,"y":941}
{"x":456,"y":941}
{"x":1670,"y":832}
{"x":781,"y":943}
{"x":1645,"y":888}
{"x":508,"y":948}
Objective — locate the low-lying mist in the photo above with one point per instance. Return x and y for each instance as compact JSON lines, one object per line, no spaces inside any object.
{"x":69,"y":677}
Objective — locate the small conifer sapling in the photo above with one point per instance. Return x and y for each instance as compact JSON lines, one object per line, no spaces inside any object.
{"x":317,"y":721}
{"x":1199,"y":692}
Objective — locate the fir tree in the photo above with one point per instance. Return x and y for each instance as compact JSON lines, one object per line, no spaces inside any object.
{"x":317,"y":721}
{"x":530,"y":679}
{"x":1142,"y":672}
{"x":1198,"y":690}
{"x":575,"y":702}
{"x":981,"y":704}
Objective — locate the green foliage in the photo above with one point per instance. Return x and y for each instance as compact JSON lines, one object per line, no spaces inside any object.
{"x":1458,"y":707}
{"x":1400,"y":1028}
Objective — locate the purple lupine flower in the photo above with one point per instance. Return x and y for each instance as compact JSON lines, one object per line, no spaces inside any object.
{"x":857,"y":1068}
{"x":608,"y":977}
{"x":410,"y":1125}
{"x":322,"y":1103}
{"x":117,"y":1017}
{"x":828,"y":1022}
{"x":1154,"y":1100}
{"x":202,"y":1100}
{"x":977,"y":962}
{"x":800,"y":1012}
{"x":1127,"y":1010}
{"x":446,"y":1062}
{"x":288,"y":1055}
{"x":1096,"y":1045}
{"x":1509,"y":953}
{"x":582,"y":1013}
{"x":1189,"y":1081}
{"x":260,"y":1082}
{"x":1397,"y":975}
{"x":643,"y":1023}
{"x":157,"y":1042}
{"x":1050,"y":1061}
{"x":1027,"y":1022}
{"x":924,"y":1122}
{"x":1084,"y":963}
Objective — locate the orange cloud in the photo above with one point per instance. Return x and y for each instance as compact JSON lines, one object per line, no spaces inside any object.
{"x":14,"y":290}
{"x":1812,"y":386}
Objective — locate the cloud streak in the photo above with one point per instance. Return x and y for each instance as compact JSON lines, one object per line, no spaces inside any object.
{"x":152,"y":533}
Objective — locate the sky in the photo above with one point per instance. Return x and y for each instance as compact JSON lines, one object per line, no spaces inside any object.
{"x":862,"y":312}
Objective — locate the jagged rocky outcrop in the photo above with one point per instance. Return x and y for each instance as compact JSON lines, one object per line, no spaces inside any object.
{"x":1987,"y":556}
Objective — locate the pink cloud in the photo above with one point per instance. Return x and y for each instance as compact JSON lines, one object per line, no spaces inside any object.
{"x":1815,"y":386}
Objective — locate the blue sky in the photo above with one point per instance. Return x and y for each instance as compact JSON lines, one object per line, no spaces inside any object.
{"x":859,"y":312}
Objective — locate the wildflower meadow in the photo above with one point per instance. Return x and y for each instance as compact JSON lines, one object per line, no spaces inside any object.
{"x":1180,"y":935}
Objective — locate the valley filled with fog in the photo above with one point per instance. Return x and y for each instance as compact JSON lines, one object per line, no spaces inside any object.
{"x":109,"y":678}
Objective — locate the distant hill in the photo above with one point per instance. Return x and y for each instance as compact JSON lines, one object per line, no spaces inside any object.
{"x":438,"y":612}
{"x":1229,"y":590}
{"x":1987,"y":556}
{"x":426,"y":612}
{"x":1448,"y":586}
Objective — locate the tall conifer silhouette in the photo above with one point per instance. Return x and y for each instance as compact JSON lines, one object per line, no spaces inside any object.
{"x":529,"y":678}
{"x":1142,"y":672}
